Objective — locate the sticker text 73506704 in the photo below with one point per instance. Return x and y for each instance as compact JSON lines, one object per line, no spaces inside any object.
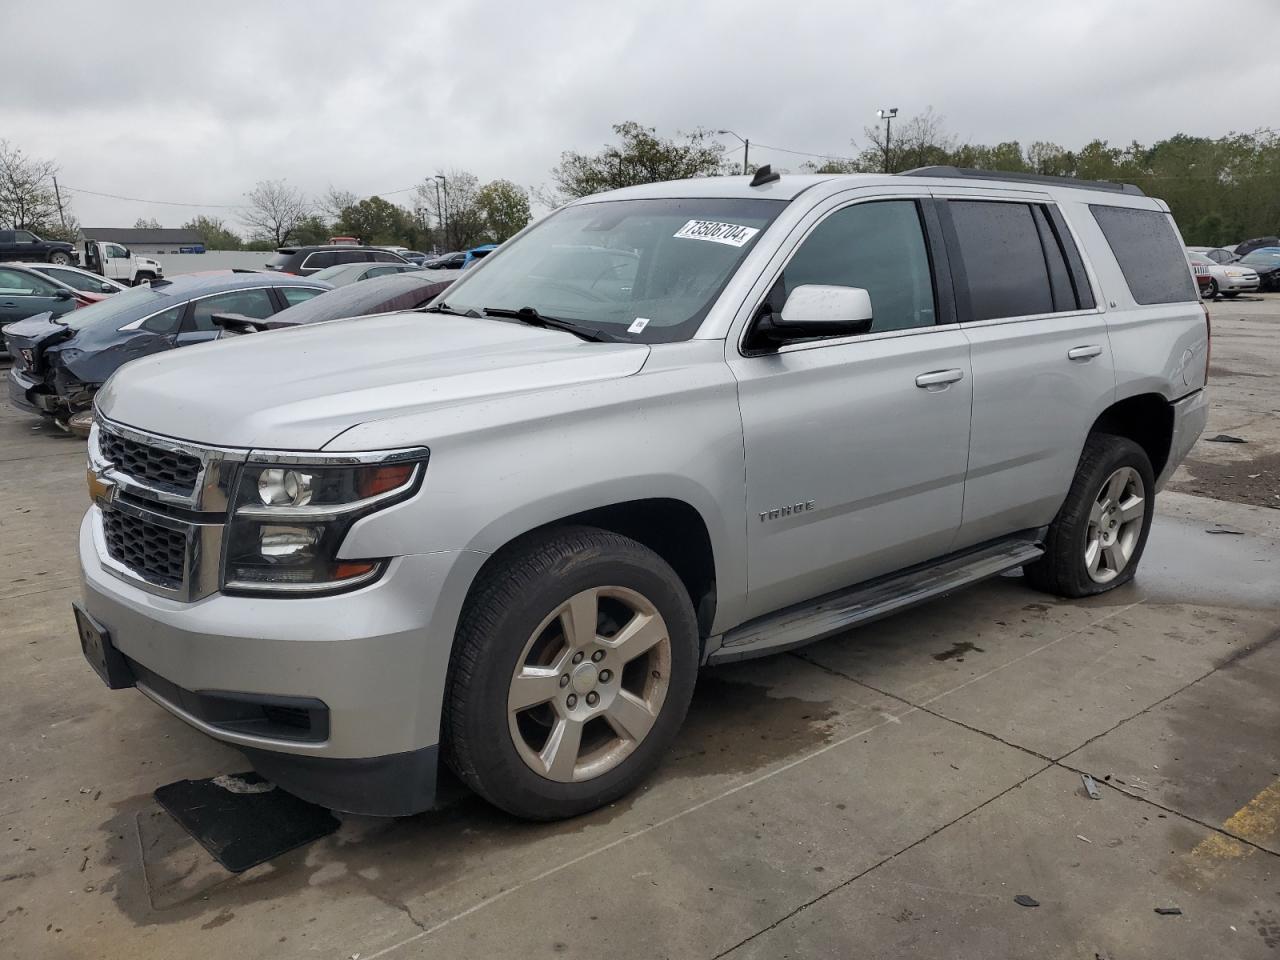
{"x":733,"y":234}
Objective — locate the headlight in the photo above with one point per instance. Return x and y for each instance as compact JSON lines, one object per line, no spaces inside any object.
{"x":1234,"y":273}
{"x":288,"y":521}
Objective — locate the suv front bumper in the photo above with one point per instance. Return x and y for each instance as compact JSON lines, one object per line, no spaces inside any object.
{"x":364,"y":663}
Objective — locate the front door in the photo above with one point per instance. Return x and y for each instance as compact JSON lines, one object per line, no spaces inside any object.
{"x":119,"y":265}
{"x":856,"y":447}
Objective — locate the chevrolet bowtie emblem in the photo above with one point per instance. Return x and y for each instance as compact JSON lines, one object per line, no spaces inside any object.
{"x":100,"y":490}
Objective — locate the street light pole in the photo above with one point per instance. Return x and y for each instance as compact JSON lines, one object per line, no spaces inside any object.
{"x":746,"y":149}
{"x":887,"y":116}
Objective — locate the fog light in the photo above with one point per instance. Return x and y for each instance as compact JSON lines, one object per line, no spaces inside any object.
{"x":278,"y":486}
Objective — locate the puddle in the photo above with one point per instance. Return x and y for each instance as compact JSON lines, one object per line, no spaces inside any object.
{"x":733,"y":728}
{"x":958,"y":650}
{"x":1184,"y":564}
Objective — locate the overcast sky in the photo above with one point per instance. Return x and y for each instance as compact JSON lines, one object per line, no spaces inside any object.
{"x":195,"y":102}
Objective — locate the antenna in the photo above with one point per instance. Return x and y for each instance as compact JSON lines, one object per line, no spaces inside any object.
{"x":765,"y":175}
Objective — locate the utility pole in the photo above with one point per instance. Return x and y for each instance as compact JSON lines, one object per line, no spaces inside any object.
{"x":887,"y":116}
{"x":746,"y":149}
{"x":58,"y":196}
{"x":444,"y":236}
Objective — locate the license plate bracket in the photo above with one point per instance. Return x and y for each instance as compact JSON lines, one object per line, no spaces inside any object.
{"x":95,"y":642}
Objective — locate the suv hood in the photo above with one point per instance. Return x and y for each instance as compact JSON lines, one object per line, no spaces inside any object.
{"x":298,"y":388}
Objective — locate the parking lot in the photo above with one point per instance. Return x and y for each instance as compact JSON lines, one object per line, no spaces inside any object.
{"x":884,"y":793}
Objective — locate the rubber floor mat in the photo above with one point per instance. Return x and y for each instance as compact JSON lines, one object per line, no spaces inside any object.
{"x":243,"y":820}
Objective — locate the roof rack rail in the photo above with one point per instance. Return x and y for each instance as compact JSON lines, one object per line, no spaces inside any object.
{"x":970,"y":173}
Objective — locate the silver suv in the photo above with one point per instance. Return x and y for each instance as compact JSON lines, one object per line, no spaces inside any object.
{"x":673,"y":425}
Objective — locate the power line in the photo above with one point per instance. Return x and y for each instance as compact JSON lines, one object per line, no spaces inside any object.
{"x":802,"y":153}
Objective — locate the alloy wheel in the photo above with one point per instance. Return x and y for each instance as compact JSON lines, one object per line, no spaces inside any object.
{"x":589,"y":684}
{"x":1115,"y":525}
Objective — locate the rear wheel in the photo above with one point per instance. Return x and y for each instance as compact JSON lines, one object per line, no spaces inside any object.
{"x":1095,"y":542}
{"x":573,"y":668}
{"x":61,"y":258}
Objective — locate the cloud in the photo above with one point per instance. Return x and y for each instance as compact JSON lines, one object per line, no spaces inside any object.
{"x":197,"y":102}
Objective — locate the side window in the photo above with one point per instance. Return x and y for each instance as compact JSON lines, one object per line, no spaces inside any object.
{"x":116,"y":252}
{"x":23,"y":236}
{"x":1003,"y":258}
{"x":379,"y":272}
{"x":1149,"y":254}
{"x":251,"y":303}
{"x":15,"y":283}
{"x":1064,"y":297}
{"x":166,"y":321}
{"x":295,"y":295}
{"x":878,"y":246}
{"x":382,"y":256}
{"x":320,"y":259}
{"x":351,"y":256}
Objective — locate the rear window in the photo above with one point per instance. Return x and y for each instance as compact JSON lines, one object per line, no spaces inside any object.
{"x":1147,"y":249}
{"x":280,"y":259}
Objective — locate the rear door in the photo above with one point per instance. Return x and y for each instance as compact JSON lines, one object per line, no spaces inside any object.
{"x":1042,"y":364}
{"x":855,"y":447}
{"x":199,"y":326}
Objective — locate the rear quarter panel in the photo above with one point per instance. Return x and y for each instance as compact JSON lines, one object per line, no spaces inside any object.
{"x":1157,"y":348}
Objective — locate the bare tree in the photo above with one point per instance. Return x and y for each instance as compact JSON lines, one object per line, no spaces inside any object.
{"x":918,"y":141}
{"x":275,"y":210}
{"x":335,"y":202}
{"x":27,"y":196}
{"x":452,"y":204}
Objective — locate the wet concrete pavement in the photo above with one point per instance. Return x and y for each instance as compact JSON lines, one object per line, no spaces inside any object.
{"x":882,"y":794}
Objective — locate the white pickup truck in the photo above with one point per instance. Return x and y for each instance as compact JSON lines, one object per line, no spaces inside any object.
{"x":117,"y":262}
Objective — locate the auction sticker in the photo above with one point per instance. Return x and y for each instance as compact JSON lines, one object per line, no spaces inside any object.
{"x":733,"y":234}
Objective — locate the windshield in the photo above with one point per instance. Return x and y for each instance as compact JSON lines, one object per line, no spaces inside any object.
{"x":1262,"y":258}
{"x":640,"y":270}
{"x":128,"y":302}
{"x":328,"y":274}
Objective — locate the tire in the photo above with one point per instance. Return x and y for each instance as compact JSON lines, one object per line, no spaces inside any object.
{"x":1232,"y":295}
{"x":142,"y":278}
{"x":61,"y":258}
{"x":1211,"y":290}
{"x":519,"y":618}
{"x":1066,"y":568}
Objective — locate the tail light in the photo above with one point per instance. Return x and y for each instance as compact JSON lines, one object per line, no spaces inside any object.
{"x":1208,"y":340}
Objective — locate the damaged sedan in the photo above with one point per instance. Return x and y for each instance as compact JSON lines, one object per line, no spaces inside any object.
{"x":60,"y":362}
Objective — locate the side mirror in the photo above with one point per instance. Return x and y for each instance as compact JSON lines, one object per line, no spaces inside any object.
{"x":816,"y":310}
{"x":62,"y":295}
{"x":107,"y":288}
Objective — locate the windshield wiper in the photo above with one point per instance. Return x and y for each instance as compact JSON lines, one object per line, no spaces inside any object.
{"x":445,"y":308}
{"x":535,"y":319}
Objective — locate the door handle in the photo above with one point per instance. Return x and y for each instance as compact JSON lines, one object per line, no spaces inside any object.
{"x":1087,"y":352}
{"x":938,"y":378}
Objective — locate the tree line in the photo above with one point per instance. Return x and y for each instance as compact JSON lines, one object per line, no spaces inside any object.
{"x":1220,"y":190}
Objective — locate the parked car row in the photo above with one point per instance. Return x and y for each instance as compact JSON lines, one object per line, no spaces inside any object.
{"x":61,"y":360}
{"x":1222,"y":279}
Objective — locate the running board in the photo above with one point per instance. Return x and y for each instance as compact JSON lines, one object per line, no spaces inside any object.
{"x":836,"y":612}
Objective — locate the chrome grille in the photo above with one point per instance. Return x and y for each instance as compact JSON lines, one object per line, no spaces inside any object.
{"x":150,"y":464}
{"x":154,"y":552}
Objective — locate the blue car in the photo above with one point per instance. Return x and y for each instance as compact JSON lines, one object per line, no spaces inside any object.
{"x":60,"y":362}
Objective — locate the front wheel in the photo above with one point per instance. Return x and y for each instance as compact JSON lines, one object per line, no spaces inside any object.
{"x":1095,"y":542}
{"x":61,"y":258}
{"x":142,"y":278}
{"x":1232,"y":295}
{"x":573,"y":668}
{"x":1211,"y":290}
